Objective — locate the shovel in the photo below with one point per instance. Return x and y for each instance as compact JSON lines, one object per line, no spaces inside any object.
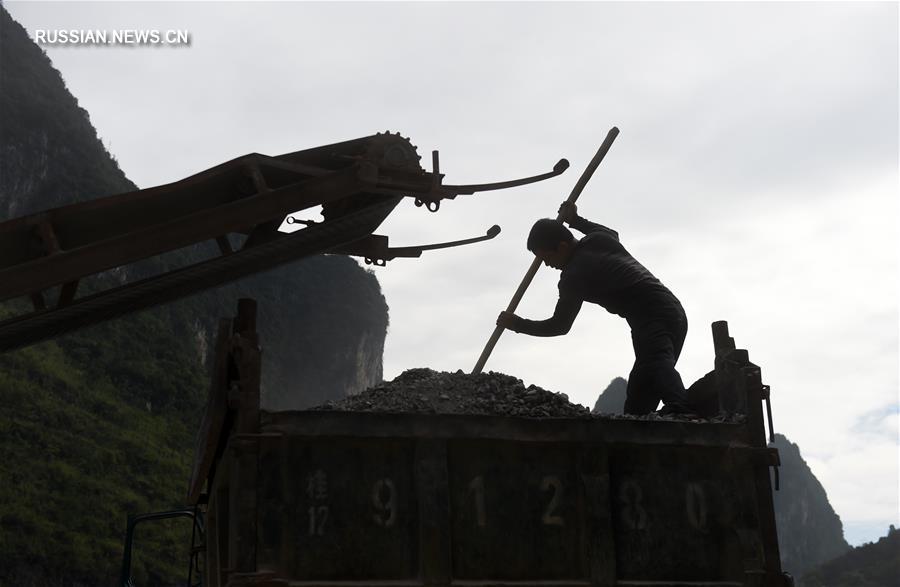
{"x":535,"y":265}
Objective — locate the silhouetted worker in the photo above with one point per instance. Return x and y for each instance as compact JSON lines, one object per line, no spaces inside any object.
{"x":599,"y":270}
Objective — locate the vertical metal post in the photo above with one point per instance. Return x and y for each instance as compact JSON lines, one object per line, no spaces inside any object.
{"x":125,"y":575}
{"x":740,"y":388}
{"x":245,"y":450}
{"x":599,"y":534}
{"x":432,"y":488}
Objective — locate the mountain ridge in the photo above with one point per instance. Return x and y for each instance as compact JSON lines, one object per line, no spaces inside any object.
{"x":100,"y":423}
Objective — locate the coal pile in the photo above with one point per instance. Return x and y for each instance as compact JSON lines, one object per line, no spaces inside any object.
{"x":436,"y":392}
{"x":425,"y":391}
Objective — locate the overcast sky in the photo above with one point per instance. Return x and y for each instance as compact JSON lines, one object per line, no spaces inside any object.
{"x":756,"y":174}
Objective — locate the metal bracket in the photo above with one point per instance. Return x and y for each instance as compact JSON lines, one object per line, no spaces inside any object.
{"x":430,"y":205}
{"x":767,"y":457}
{"x":292,"y":220}
{"x":375,"y":250}
{"x":456,"y":190}
{"x":417,"y":250}
{"x":767,"y":397}
{"x":775,"y":463}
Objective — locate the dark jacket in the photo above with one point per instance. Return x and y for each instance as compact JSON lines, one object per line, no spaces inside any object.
{"x":603,"y":272}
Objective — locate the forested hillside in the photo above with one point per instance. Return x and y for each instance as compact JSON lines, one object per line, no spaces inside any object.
{"x":875,"y":564}
{"x":101,"y":422}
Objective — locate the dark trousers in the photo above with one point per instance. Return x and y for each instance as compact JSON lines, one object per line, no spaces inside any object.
{"x":657,"y":345}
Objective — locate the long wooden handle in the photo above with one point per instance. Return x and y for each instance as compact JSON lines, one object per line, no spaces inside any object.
{"x":536,"y":263}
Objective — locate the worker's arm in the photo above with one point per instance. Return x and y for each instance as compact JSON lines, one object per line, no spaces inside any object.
{"x":560,"y":323}
{"x":569,"y":212}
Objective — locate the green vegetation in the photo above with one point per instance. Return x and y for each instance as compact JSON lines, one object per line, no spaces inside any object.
{"x":875,"y":564}
{"x":83,"y":446}
{"x":45,"y":134}
{"x":100,"y":423}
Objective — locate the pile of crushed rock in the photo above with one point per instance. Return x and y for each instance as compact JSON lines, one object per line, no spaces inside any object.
{"x":427,"y":391}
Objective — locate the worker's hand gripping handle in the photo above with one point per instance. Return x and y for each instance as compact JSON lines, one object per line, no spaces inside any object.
{"x":536,"y":263}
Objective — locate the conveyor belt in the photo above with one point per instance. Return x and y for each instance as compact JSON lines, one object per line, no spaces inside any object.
{"x":38,"y":326}
{"x":356,"y":183}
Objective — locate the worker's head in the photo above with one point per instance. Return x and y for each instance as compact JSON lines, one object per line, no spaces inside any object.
{"x":551,"y":242}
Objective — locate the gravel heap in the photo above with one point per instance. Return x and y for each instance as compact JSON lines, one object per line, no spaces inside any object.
{"x":427,"y":391}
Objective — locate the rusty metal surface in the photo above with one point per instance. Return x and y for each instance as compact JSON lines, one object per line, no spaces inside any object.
{"x":131,"y":242}
{"x":233,"y":399}
{"x":332,"y":510}
{"x":517,"y":511}
{"x":376,"y":425}
{"x":24,"y":330}
{"x":687,"y":515}
{"x":259,"y":186}
{"x":345,"y":507}
{"x":213,"y":431}
{"x":324,"y":498}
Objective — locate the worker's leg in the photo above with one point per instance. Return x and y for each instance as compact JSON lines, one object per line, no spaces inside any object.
{"x":657,"y":345}
{"x":678,"y":326}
